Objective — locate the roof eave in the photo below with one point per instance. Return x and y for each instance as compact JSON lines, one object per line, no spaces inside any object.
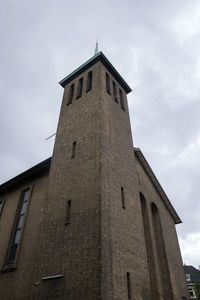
{"x":97,"y":57}
{"x":157,"y":185}
{"x":37,"y":170}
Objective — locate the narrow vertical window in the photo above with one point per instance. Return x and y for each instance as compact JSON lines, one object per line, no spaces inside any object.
{"x":121,"y":99}
{"x":108,"y":83}
{"x":67,"y":220}
{"x":71,"y":94}
{"x":123,"y":198}
{"x":149,"y":248}
{"x":161,"y":254}
{"x":1,"y":205}
{"x":89,"y":81}
{"x":80,"y":88}
{"x":115,"y":92}
{"x":128,"y":276}
{"x":73,"y":149}
{"x":18,"y":225}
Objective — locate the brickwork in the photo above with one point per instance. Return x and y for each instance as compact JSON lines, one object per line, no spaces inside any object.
{"x":86,"y":233}
{"x":175,"y":264}
{"x":16,"y":284}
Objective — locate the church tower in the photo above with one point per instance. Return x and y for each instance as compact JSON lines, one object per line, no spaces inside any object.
{"x":93,"y":229}
{"x":106,"y":226}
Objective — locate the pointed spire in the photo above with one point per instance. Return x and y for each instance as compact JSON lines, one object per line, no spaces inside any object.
{"x":96,"y":48}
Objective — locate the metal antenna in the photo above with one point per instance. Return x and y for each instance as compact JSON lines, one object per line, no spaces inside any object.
{"x":50,"y":136}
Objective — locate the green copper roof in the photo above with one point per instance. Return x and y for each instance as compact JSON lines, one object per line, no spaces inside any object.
{"x":97,"y":57}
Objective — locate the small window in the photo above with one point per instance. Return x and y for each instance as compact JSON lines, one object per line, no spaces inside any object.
{"x":121,"y":99}
{"x":115,"y":92}
{"x":89,"y":81}
{"x":80,"y":88}
{"x":123,"y":198}
{"x":1,"y":205}
{"x":192,"y":292}
{"x":187,"y":277}
{"x":108,"y":83}
{"x":67,"y":221}
{"x":73,"y":149}
{"x":71,"y":94}
{"x":18,"y":225}
{"x":128,"y":276}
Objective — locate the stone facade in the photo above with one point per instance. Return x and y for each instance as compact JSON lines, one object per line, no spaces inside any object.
{"x":97,"y":225}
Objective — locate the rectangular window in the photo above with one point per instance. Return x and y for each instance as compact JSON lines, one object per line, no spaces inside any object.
{"x":108,"y":83}
{"x":17,"y":227}
{"x":80,"y":88}
{"x":71,"y":94}
{"x":121,"y":99}
{"x":1,"y":205}
{"x":115,"y":92}
{"x":123,"y":198}
{"x":67,"y":221}
{"x":187,"y":277}
{"x":129,"y":286}
{"x":73,"y":149}
{"x":89,"y":81}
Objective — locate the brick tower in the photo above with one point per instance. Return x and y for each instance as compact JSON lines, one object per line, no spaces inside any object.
{"x":106,"y":227}
{"x":93,"y":185}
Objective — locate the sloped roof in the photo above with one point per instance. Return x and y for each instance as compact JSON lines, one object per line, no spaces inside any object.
{"x":94,"y":59}
{"x":194,"y":274}
{"x":29,"y":174}
{"x":157,"y":185}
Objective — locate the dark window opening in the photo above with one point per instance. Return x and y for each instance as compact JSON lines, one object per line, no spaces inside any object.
{"x":73,"y":149}
{"x":108,"y":83}
{"x":67,"y":220}
{"x":71,"y":94}
{"x":123,"y":198}
{"x":89,"y":81}
{"x":115,"y":92}
{"x":18,"y":225}
{"x":1,"y":205}
{"x":129,"y":286}
{"x":80,"y":88}
{"x":121,"y":99}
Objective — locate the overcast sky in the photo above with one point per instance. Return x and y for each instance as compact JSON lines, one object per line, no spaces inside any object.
{"x":155,"y":46}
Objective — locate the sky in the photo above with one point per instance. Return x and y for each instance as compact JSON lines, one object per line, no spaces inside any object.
{"x":154,"y":45}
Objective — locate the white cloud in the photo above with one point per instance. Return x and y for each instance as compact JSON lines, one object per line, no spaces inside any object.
{"x":191,"y":244}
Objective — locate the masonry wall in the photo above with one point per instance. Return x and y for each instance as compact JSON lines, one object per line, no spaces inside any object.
{"x":15,"y":284}
{"x":122,"y":231}
{"x":73,"y":250}
{"x":173,"y":254}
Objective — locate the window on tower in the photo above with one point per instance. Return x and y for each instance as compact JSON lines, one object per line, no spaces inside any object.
{"x":73,"y":149}
{"x":80,"y":88}
{"x":71,"y":94}
{"x":123,"y":198}
{"x":115,"y":92}
{"x":108,"y":83}
{"x":1,"y":205}
{"x":128,"y":277}
{"x":67,"y":220}
{"x":121,"y":99}
{"x":89,"y":82}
